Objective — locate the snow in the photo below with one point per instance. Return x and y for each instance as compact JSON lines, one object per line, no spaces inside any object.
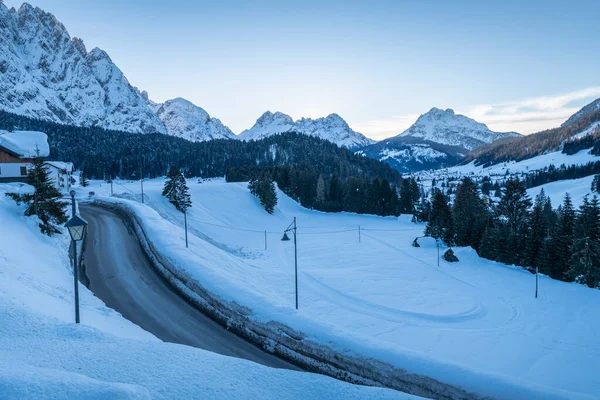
{"x":474,"y":324}
{"x":591,"y":129}
{"x":557,"y":158}
{"x":577,"y":189}
{"x":45,"y":355}
{"x":332,"y":128}
{"x":61,"y":165}
{"x":25,"y":143}
{"x":418,"y":152}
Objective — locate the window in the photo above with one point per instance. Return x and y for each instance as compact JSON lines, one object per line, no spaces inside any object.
{"x":23,"y":171}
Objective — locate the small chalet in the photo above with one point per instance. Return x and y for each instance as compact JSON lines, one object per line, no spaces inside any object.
{"x":60,"y":173}
{"x":17,"y":150}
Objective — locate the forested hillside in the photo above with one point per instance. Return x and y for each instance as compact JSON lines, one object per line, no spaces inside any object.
{"x":531,"y":145}
{"x":306,"y":167}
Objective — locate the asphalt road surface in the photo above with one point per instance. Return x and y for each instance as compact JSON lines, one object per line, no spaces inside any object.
{"x":120,"y":275}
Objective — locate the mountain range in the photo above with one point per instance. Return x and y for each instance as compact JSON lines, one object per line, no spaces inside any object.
{"x":332,"y":128}
{"x":47,"y":74}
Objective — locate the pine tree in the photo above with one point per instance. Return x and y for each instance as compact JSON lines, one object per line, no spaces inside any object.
{"x":44,"y":201}
{"x":320,"y":189}
{"x":585,"y":258}
{"x":513,"y":215}
{"x":489,"y":244}
{"x":557,"y":250}
{"x":440,"y":224}
{"x":596,"y":184}
{"x":83,"y":180}
{"x":536,"y":235}
{"x":176,"y":190}
{"x":264,"y":189}
{"x":469,"y":214}
{"x":423,"y":210}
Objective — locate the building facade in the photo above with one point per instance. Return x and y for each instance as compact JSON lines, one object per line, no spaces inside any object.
{"x":13,"y":167}
{"x":60,"y":174}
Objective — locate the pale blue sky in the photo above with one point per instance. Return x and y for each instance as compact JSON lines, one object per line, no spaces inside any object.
{"x":379,"y":64}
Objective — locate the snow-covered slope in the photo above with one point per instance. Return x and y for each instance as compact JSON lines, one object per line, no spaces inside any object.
{"x":188,"y":121}
{"x":44,"y":73}
{"x":588,"y":109}
{"x":45,"y":355}
{"x":438,"y":138}
{"x":474,"y":324}
{"x":332,"y":128}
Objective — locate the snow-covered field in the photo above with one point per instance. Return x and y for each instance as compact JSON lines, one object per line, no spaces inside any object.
{"x":557,"y":158}
{"x":44,"y":355}
{"x":473,"y":324}
{"x":577,"y":189}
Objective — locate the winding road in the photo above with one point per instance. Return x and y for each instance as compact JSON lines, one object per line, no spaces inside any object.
{"x":120,"y":275}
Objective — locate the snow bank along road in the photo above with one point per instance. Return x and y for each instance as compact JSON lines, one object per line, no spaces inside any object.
{"x":120,"y":274}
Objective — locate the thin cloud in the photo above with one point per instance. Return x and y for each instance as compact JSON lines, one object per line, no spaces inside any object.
{"x":525,"y":116}
{"x":533,"y":114}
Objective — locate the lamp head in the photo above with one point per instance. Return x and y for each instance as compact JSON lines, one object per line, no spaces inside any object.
{"x":77,"y":227}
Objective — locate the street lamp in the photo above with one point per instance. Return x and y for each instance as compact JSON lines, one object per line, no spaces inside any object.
{"x":292,"y":228}
{"x":77,"y":228}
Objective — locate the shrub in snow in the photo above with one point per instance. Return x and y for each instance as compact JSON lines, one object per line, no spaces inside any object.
{"x":449,"y":256}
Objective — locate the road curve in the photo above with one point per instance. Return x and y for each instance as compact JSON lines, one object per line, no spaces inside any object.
{"x":120,"y":275}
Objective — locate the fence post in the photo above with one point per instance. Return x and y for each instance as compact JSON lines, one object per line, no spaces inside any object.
{"x":359,"y":234}
{"x":265,"y":240}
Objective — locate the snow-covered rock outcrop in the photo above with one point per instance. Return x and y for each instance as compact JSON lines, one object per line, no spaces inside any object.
{"x":188,"y":121}
{"x":332,"y":128}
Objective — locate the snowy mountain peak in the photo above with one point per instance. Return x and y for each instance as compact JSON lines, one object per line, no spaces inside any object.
{"x":46,"y":74}
{"x":332,"y":128}
{"x":447,"y":128}
{"x":277,"y":118}
{"x":439,"y":112}
{"x":439,"y":138}
{"x":186,"y":120}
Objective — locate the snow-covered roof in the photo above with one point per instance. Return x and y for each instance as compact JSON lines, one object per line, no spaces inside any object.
{"x":25,"y":143}
{"x":66,"y":166}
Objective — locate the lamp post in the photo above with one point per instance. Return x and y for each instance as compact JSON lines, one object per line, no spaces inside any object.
{"x":292,"y":227}
{"x":77,"y":227}
{"x":142,"y":179}
{"x":536,"y":282}
{"x":185,"y":222}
